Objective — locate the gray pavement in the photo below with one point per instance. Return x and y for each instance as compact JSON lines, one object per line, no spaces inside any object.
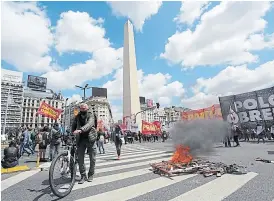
{"x":130,"y":179}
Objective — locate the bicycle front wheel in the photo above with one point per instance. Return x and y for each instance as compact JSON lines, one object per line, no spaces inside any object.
{"x":62,"y":165}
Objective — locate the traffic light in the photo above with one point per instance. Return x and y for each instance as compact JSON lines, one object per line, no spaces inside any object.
{"x":157,"y":105}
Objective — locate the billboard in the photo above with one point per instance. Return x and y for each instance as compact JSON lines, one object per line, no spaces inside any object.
{"x":213,"y":112}
{"x":142,"y":100}
{"x":37,"y":83}
{"x":249,"y":108}
{"x":11,"y":76}
{"x":99,"y":92}
{"x":149,"y":103}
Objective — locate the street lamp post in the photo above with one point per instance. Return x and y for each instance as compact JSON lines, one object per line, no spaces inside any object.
{"x":84,"y":89}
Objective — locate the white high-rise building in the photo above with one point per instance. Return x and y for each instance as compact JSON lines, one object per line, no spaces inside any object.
{"x":31,"y":104}
{"x":11,"y":99}
{"x":131,"y":104}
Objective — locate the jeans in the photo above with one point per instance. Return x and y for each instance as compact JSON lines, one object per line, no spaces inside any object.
{"x":92,"y":151}
{"x":101,"y":146}
{"x":118,"y":144}
{"x":24,"y":147}
{"x":54,"y":150}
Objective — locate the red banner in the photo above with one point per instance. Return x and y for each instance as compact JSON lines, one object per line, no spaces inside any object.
{"x":49,"y":111}
{"x":151,"y":128}
{"x":213,"y":112}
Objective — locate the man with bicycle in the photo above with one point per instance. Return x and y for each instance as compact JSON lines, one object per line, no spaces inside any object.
{"x":84,"y":127}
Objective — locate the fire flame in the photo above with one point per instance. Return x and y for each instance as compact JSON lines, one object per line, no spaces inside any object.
{"x":181,"y":155}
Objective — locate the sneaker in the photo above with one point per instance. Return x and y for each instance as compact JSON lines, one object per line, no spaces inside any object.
{"x":90,"y":178}
{"x":83,"y":179}
{"x":118,"y":157}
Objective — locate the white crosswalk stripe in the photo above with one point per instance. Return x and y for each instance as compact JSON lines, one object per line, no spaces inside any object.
{"x":134,"y":167}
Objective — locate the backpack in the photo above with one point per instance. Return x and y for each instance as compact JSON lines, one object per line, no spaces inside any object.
{"x":56,"y":135}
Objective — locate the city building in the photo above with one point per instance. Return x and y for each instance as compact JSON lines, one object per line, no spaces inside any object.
{"x":11,"y":99}
{"x":131,"y":103}
{"x":31,"y":104}
{"x":173,"y":114}
{"x":165,"y":115}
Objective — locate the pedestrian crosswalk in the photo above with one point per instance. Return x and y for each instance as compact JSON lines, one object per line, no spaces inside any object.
{"x":131,"y":179}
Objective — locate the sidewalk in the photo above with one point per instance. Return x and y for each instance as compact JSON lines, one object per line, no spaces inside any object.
{"x":25,"y":162}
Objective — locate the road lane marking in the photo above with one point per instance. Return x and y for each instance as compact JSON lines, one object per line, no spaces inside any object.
{"x":112,"y":178}
{"x":136,"y":190}
{"x":218,"y":189}
{"x":17,"y":178}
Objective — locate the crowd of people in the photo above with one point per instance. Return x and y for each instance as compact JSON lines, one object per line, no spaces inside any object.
{"x":246,"y":134}
{"x":88,"y":141}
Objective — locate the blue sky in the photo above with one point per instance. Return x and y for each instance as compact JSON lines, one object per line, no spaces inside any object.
{"x":187,"y":54}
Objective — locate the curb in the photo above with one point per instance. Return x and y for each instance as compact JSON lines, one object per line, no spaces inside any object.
{"x":15,"y":169}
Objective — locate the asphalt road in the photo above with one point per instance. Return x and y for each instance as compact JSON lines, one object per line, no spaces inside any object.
{"x":130,"y":178}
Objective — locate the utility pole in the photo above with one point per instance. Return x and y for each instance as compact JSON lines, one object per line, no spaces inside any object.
{"x":84,"y":89}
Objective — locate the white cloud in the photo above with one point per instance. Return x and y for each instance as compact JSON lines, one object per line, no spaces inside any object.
{"x":191,"y":11}
{"x":224,"y":36}
{"x":103,"y":62}
{"x":26,"y":36}
{"x":231,"y":80}
{"x":74,"y":98}
{"x":77,"y":31}
{"x":156,"y":86}
{"x":137,"y":11}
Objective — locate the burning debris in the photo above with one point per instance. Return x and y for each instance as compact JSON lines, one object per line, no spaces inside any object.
{"x":183,"y":163}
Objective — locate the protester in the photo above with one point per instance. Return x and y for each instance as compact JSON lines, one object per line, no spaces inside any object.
{"x":11,"y":156}
{"x":118,"y":140}
{"x":236,"y":133}
{"x":101,"y":139}
{"x":55,"y":141}
{"x":43,"y":141}
{"x":260,"y":133}
{"x":26,"y":143}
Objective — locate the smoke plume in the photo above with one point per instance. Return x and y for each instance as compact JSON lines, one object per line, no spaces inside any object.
{"x":199,"y":135}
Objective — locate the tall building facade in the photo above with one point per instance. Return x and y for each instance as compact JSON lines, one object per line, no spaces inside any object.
{"x":131,"y":104}
{"x":31,"y":104}
{"x":11,"y":99}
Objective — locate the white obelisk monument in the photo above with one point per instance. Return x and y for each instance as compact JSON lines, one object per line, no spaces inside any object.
{"x":131,"y":103}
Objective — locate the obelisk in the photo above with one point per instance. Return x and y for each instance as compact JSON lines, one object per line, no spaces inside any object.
{"x":131,"y":103}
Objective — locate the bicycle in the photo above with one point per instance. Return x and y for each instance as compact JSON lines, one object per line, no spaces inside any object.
{"x":70,"y":157}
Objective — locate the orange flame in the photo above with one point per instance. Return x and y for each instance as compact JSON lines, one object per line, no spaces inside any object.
{"x":181,"y":155}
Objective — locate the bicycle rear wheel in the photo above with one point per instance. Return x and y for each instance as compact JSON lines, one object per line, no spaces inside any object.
{"x":67,"y":172}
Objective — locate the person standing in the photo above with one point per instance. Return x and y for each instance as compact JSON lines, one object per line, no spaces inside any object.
{"x":236,"y":133}
{"x":84,"y":127}
{"x":55,"y":141}
{"x":118,"y":140}
{"x":140,"y":136}
{"x":101,"y":139}
{"x":260,"y":133}
{"x":43,"y":141}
